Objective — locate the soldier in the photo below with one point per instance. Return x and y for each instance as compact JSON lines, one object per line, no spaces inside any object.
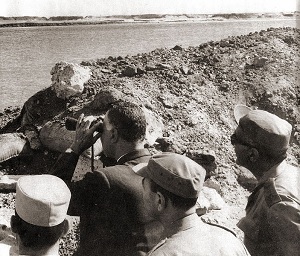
{"x":272,"y":222}
{"x":40,"y":220}
{"x":171,"y":186}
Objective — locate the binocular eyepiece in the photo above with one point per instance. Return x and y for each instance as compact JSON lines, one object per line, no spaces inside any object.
{"x":71,"y":124}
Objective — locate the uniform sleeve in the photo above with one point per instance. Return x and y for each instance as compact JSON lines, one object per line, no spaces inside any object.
{"x":284,"y":221}
{"x":65,"y":166}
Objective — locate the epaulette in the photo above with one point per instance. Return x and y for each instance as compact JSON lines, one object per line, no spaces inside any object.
{"x":225,"y":228}
{"x":271,"y":195}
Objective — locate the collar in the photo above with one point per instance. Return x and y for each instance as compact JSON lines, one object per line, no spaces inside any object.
{"x":133,"y":155}
{"x":274,"y":172}
{"x":181,"y":224}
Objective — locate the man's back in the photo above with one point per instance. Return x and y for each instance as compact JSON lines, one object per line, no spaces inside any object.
{"x":272,"y":223}
{"x":111,"y":212}
{"x":196,"y":238}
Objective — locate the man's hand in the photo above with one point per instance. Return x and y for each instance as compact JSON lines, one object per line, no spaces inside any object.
{"x":85,"y":137}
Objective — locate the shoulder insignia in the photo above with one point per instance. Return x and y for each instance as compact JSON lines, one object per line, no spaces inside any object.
{"x":225,"y":228}
{"x":271,"y":195}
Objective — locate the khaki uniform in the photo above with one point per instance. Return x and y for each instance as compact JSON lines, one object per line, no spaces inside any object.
{"x":272,"y":222}
{"x":195,"y":238}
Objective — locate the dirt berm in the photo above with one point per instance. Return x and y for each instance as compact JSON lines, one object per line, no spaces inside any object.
{"x":194,"y":90}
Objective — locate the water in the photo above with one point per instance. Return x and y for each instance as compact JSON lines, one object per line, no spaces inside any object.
{"x":28,"y":54}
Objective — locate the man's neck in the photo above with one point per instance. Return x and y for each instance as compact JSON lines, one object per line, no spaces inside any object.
{"x":126,"y":147}
{"x":51,"y":251}
{"x":173,"y":220}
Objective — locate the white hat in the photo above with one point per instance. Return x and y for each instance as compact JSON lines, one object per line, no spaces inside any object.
{"x":42,"y":200}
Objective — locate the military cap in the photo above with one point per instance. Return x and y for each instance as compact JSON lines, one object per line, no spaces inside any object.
{"x":42,"y":200}
{"x":175,"y":173}
{"x":263,"y":129}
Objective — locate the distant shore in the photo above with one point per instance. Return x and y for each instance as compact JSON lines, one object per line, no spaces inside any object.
{"x":29,"y":21}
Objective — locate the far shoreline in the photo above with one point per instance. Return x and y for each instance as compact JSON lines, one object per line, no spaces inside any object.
{"x":40,"y":22}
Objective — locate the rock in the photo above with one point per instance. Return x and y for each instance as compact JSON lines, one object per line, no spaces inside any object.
{"x":212,"y":183}
{"x":225,"y":86}
{"x":154,"y":127}
{"x":185,"y":70}
{"x":68,"y":79}
{"x":105,"y":97}
{"x":209,"y":199}
{"x":130,"y":71}
{"x":177,"y":48}
{"x":259,"y":61}
{"x":162,"y":66}
{"x":107,"y":71}
{"x":206,"y":158}
{"x":150,"y":67}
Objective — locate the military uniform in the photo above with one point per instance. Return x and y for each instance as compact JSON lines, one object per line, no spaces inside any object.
{"x":272,"y":222}
{"x":193,"y":237}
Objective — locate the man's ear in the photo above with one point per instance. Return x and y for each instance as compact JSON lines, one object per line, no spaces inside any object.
{"x":13,"y":224}
{"x":253,"y":155}
{"x":67,"y":225}
{"x":161,"y":201}
{"x":114,"y":135}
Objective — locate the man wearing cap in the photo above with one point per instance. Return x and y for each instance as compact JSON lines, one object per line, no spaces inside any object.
{"x":108,"y":200}
{"x":272,"y":222}
{"x":171,"y":186}
{"x":40,"y":221}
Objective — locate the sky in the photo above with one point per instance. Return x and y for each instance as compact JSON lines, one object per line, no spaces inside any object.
{"x":49,"y":8}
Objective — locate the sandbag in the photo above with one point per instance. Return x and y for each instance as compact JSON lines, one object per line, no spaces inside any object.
{"x":12,"y":145}
{"x":56,"y":137}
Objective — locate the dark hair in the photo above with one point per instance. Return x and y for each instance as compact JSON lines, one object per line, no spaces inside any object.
{"x":177,"y":201}
{"x":129,"y":120}
{"x":37,"y":237}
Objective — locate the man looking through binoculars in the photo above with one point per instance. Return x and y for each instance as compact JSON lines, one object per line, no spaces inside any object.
{"x":109,"y":200}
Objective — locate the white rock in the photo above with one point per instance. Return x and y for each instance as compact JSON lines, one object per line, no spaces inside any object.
{"x":209,"y":199}
{"x":154,"y":127}
{"x":68,"y":79}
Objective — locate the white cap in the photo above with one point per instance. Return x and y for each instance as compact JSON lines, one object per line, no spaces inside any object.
{"x":42,"y":200}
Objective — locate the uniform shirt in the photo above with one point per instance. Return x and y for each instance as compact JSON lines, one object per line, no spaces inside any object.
{"x":109,"y":202}
{"x":272,"y":222}
{"x":192,"y":237}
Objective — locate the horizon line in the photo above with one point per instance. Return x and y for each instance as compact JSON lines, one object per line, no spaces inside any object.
{"x":128,"y":15}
